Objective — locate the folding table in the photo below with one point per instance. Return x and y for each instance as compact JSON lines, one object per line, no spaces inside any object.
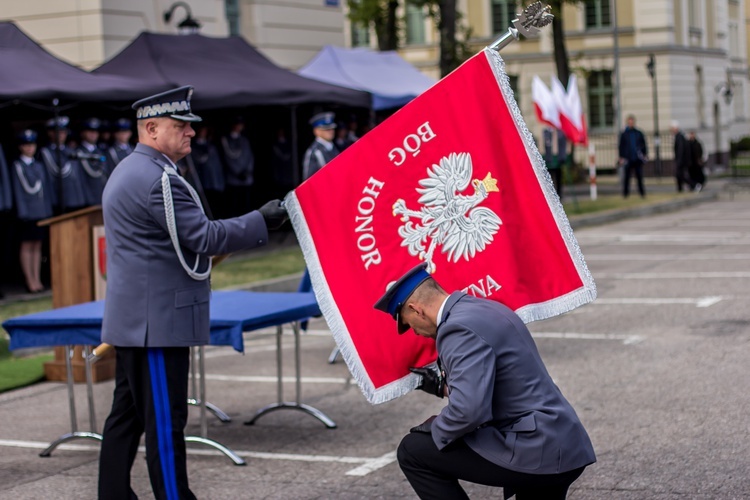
{"x":232,"y":313}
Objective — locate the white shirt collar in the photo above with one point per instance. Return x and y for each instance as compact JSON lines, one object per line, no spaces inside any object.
{"x":28,"y":160}
{"x":89,"y":147}
{"x":440,"y":311}
{"x":325,"y":144}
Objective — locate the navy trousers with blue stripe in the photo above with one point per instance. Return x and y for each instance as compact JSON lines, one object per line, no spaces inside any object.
{"x":151,"y":390}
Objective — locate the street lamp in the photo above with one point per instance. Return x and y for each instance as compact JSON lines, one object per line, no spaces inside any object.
{"x":189,"y":25}
{"x":726,"y":90}
{"x":651,"y":68}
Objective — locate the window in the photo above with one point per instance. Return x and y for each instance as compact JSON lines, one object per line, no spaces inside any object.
{"x":597,"y":14}
{"x":360,"y":35}
{"x":415,"y":25}
{"x":699,"y":101}
{"x":503,"y":12}
{"x":600,"y":94}
{"x":693,"y":14}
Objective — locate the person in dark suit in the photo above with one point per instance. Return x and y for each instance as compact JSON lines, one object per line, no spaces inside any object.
{"x":506,"y":422}
{"x":695,"y":170}
{"x":633,"y":154}
{"x":159,"y":248}
{"x":31,"y":189}
{"x":681,"y":157}
{"x":323,"y":149}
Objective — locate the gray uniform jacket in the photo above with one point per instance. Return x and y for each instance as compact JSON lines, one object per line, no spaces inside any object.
{"x":69,"y":173}
{"x":239,"y":160}
{"x":151,"y":301}
{"x":31,"y":187}
{"x":94,"y":174}
{"x":316,"y":157}
{"x":6,"y":198}
{"x":502,"y":401}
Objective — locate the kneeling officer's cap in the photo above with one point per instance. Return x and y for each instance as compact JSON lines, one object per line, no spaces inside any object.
{"x":170,"y":104}
{"x":397,"y":295}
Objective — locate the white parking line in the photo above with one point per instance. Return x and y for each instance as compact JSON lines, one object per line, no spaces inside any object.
{"x":626,"y":339}
{"x":675,"y":275}
{"x":697,"y":302}
{"x":367,"y":466}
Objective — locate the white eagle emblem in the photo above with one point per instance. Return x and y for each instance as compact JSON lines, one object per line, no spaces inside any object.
{"x":447,"y":217}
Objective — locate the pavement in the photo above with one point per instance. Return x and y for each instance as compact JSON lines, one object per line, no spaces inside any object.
{"x":656,"y":368}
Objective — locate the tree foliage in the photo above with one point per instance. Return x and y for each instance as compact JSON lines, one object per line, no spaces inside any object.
{"x":381,"y":15}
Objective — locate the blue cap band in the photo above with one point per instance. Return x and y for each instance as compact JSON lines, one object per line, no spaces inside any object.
{"x":405,"y":289}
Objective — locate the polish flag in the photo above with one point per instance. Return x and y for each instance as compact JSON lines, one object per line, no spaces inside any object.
{"x":546,"y":106}
{"x":570,"y":110}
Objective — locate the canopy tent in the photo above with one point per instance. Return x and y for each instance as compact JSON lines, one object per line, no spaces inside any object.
{"x":28,"y":72}
{"x":392,"y":81}
{"x":226,"y":72}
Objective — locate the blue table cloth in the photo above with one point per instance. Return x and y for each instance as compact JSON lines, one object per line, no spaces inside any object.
{"x":231,"y":314}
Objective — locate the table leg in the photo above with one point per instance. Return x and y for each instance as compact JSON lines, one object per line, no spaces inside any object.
{"x":203,"y":438}
{"x":334,"y":354}
{"x":74,"y":433}
{"x":194,"y":400}
{"x":295,"y":405}
{"x":89,"y":388}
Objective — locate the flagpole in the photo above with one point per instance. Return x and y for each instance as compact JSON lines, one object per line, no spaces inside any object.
{"x":535,"y":16}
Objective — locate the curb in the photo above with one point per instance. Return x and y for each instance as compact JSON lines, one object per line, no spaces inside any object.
{"x":579,"y":221}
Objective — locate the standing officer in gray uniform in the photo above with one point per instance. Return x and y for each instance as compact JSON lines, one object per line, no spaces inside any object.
{"x":159,"y":248}
{"x":120,"y":148}
{"x":64,"y":171}
{"x":92,"y":159}
{"x":506,"y":422}
{"x":6,"y":205}
{"x":322,"y":150}
{"x":240,"y":166}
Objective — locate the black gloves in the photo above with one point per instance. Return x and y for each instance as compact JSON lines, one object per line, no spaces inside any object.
{"x":432,"y":381}
{"x":425,"y":427}
{"x":274,"y":214}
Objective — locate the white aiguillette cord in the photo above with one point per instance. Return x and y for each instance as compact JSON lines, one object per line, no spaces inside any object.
{"x":166,"y":190}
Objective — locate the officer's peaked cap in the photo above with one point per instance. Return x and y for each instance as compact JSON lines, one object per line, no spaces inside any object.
{"x":323,"y":120}
{"x":122,"y":124}
{"x":173,"y":103}
{"x":91,"y":124}
{"x":398,"y":293}
{"x":27,"y":136}
{"x":61,"y":122}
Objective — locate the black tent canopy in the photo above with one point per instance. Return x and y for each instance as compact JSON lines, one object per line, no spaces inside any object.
{"x":28,"y":72}
{"x":226,"y":72}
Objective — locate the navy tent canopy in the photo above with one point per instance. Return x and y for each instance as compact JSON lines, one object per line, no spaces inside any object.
{"x":226,"y":72}
{"x":391,"y":80}
{"x":28,"y":72}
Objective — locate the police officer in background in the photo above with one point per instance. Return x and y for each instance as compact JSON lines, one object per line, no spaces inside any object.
{"x":121,"y":147}
{"x":210,"y":171}
{"x":322,"y":150}
{"x":240,"y":165}
{"x":6,"y":205}
{"x":158,"y":292}
{"x":506,"y":423}
{"x":31,"y":187}
{"x":65,"y":172}
{"x":92,"y":160}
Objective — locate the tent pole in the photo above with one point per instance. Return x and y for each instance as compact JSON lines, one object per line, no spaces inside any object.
{"x":295,"y":155}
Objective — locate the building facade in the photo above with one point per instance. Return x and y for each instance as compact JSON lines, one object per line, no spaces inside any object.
{"x":700,"y":52}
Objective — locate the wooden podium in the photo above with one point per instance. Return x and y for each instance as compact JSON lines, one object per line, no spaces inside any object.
{"x":73,"y":275}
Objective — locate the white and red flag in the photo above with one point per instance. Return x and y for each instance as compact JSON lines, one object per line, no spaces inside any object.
{"x":454,"y":179}
{"x":546,"y":106}
{"x":572,"y":122}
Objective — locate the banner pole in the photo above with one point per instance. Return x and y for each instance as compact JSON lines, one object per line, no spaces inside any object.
{"x":535,"y":16}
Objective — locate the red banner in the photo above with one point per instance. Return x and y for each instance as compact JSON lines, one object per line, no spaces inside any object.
{"x":454,"y":179}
